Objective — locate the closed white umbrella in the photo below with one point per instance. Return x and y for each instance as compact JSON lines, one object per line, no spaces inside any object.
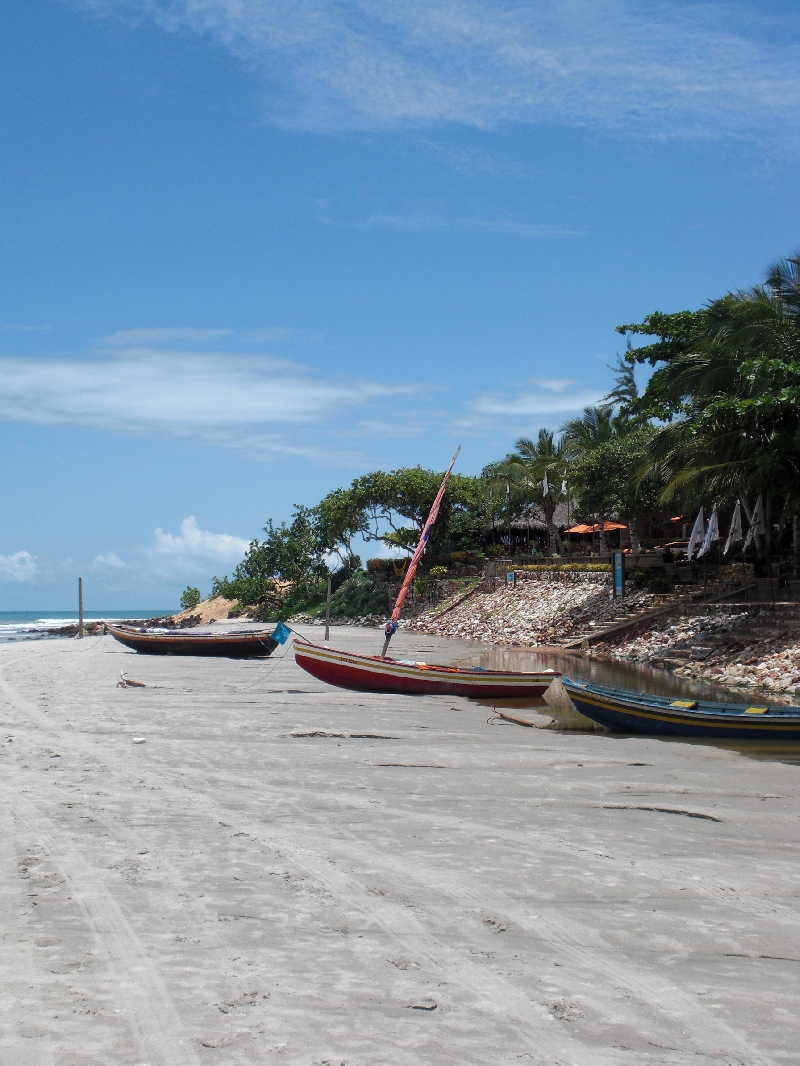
{"x":735,"y":532}
{"x":757,"y":527}
{"x":697,"y":533}
{"x":712,"y":533}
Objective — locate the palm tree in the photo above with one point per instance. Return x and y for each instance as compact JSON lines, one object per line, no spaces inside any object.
{"x":736,"y":388}
{"x":738,"y":391}
{"x":783,"y":278}
{"x":542,"y":462}
{"x":595,"y":426}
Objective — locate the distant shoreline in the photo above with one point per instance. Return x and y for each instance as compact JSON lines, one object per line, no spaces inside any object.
{"x":42,"y":625}
{"x":7,"y":617}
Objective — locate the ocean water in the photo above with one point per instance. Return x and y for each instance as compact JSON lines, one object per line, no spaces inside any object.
{"x":33,"y":625}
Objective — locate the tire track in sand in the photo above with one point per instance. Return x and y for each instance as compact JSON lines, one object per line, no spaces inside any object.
{"x":153,"y":1021}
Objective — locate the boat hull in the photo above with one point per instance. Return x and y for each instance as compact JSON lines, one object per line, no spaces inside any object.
{"x":367,"y":673}
{"x":632,"y":712}
{"x":223,"y":645}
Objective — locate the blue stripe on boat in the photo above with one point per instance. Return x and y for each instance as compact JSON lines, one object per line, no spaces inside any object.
{"x":641,"y":712}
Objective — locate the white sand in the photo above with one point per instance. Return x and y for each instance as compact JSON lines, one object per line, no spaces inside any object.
{"x":227,"y":893}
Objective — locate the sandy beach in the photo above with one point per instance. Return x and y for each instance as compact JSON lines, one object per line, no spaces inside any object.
{"x":283,"y":872}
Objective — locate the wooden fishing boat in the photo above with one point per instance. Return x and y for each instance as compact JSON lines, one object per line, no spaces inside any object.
{"x":377,"y":673}
{"x":373,"y":673}
{"x":638,"y":712}
{"x":235,"y":645}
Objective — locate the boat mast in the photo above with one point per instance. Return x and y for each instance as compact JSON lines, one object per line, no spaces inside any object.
{"x":391,"y":625}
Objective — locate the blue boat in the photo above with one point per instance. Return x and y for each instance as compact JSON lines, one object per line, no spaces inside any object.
{"x":637,"y":712}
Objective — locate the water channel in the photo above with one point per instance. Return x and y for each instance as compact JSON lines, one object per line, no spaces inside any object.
{"x":638,"y":677}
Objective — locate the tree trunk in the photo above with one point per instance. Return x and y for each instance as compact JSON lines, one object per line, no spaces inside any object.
{"x":759,"y":537}
{"x":746,"y":507}
{"x":551,"y":529}
{"x":796,"y":547}
{"x":635,"y":545}
{"x":601,"y":535}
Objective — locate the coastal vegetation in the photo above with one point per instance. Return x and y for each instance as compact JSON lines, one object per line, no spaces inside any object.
{"x":190,"y":598}
{"x":717,"y":421}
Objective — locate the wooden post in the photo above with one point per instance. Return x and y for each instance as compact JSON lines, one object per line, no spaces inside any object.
{"x":704,"y":579}
{"x":80,"y":607}
{"x":491,"y":570}
{"x":328,"y":610}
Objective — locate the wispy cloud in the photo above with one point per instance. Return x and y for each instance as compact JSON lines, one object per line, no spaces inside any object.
{"x":427,"y":217}
{"x":548,"y":397}
{"x":473,"y":162}
{"x":219,"y":397}
{"x":128,"y":337}
{"x":639,"y":68}
{"x":21,"y":566}
{"x":110,"y":560}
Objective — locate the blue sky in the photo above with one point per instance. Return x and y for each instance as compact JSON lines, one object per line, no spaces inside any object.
{"x":252,"y":249}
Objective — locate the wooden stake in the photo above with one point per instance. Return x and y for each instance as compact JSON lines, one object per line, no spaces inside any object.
{"x":511,"y":718}
{"x":80,"y":607}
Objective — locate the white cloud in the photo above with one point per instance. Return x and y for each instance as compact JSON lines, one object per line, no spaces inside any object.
{"x":221,"y":398}
{"x":551,"y":397}
{"x":633,"y":67}
{"x":435,"y":217}
{"x":473,"y":162}
{"x":193,"y":551}
{"x":128,"y":337}
{"x":111,"y":560}
{"x":20,"y":566}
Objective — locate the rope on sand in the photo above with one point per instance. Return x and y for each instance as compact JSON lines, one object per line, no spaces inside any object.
{"x":127,"y":682}
{"x":297,"y":636}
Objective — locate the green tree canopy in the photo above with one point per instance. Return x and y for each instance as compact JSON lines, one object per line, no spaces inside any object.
{"x":293,"y":552}
{"x":190,"y":597}
{"x":541,"y":464}
{"x":594,"y":427}
{"x":391,"y":507}
{"x":607,"y":478}
{"x":727,"y":384}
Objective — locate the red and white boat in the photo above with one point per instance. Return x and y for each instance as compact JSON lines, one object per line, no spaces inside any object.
{"x":377,"y":673}
{"x":372,"y":673}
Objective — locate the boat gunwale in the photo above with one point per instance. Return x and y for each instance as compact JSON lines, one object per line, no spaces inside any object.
{"x":649,"y":705}
{"x":373,"y":661}
{"x":239,"y":636}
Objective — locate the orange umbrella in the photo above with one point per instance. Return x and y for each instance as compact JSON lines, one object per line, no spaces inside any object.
{"x":596,"y":527}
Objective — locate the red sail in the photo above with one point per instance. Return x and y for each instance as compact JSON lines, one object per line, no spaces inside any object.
{"x":423,"y":542}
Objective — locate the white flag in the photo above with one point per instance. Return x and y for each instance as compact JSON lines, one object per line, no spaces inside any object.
{"x":757,"y":526}
{"x":508,"y":489}
{"x":564,"y":487}
{"x":712,"y":533}
{"x":735,"y":534}
{"x":545,"y":486}
{"x":697,"y":533}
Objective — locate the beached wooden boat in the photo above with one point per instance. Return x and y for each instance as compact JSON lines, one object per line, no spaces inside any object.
{"x":638,"y":712}
{"x":377,"y":673}
{"x":373,"y":673}
{"x":236,"y":645}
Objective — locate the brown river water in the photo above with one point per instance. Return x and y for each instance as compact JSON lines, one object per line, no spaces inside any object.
{"x":638,"y":677}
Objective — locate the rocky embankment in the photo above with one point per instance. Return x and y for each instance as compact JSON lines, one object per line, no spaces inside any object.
{"x":753,"y":648}
{"x":368,"y":620}
{"x":541,"y":609}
